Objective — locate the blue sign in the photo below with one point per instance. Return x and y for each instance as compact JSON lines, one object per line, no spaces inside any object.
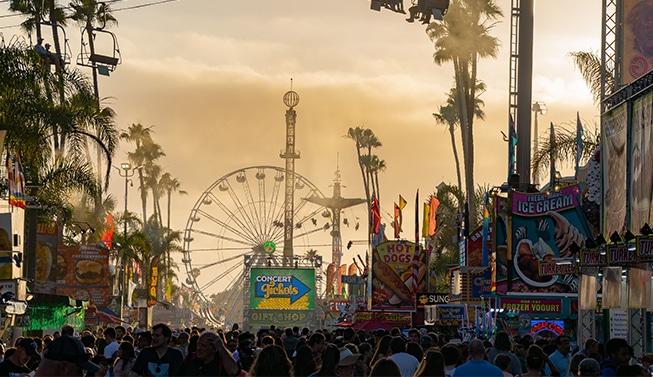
{"x":351,"y":279}
{"x":295,"y":290}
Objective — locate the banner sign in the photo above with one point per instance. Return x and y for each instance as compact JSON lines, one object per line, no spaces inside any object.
{"x":613,"y":156}
{"x":620,"y":254}
{"x":544,"y":228}
{"x":47,"y":259}
{"x":392,"y":276}
{"x":644,"y":250}
{"x":263,"y":318}
{"x":86,"y":276}
{"x":593,"y":257}
{"x":553,"y":268}
{"x":532,"y":305}
{"x":425,"y":298}
{"x":641,"y":170}
{"x":636,"y":42}
{"x":450,"y":312}
{"x":282,"y":289}
{"x":352,"y":279}
{"x":474,"y":248}
{"x":397,"y":319}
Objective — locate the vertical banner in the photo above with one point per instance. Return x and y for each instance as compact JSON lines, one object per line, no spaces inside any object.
{"x":153,"y":286}
{"x":641,"y":170}
{"x":47,"y":259}
{"x":637,"y":40}
{"x":87,"y":273}
{"x":613,"y":158}
{"x":5,"y":247}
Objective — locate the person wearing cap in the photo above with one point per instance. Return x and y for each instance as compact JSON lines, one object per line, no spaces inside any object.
{"x":66,"y":356}
{"x":347,"y":362}
{"x":17,"y":363}
{"x":589,"y":368}
{"x":212,"y":358}
{"x":591,"y":346}
{"x":159,"y":359}
{"x":38,"y":47}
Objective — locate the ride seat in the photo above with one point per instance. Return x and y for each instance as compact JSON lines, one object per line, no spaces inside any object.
{"x":103,"y":59}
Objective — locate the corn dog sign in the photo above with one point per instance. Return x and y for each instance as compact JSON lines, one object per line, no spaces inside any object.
{"x":392,"y":276}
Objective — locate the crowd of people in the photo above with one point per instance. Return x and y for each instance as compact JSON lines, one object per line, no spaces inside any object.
{"x":161,"y":351}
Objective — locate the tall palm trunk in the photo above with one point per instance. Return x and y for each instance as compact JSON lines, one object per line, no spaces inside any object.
{"x":143,"y":190}
{"x":452,"y":133}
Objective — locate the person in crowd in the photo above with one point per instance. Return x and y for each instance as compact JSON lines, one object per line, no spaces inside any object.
{"x":425,"y":342}
{"x":415,"y":349}
{"x":317,"y":343}
{"x":246,"y":354}
{"x":502,"y":361}
{"x":212,"y":358}
{"x":382,"y":348}
{"x":617,"y":353}
{"x":289,"y":341}
{"x":589,"y":367}
{"x":573,"y":364}
{"x":502,"y":345}
{"x":451,"y":355}
{"x":560,"y":357}
{"x":192,"y":343}
{"x":120,"y":332}
{"x":591,"y":346}
{"x":66,"y":356}
{"x":182,"y":341}
{"x":519,"y":350}
{"x":366,"y":350}
{"x":144,"y":340}
{"x":407,"y":363}
{"x":17,"y":363}
{"x":432,"y":365}
{"x":34,"y":361}
{"x":304,"y":362}
{"x":635,"y":370}
{"x":647,"y":361}
{"x":385,"y":367}
{"x":272,"y":361}
{"x":125,"y":359}
{"x":414,"y":335}
{"x":159,"y":359}
{"x":68,"y":330}
{"x":329,"y":362}
{"x":477,"y":365}
{"x":111,"y":349}
{"x":347,"y":362}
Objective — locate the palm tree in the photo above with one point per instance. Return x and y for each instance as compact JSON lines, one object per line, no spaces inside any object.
{"x":33,"y":10}
{"x":356,"y":134}
{"x":139,"y":135}
{"x":589,"y":65}
{"x":463,"y":38}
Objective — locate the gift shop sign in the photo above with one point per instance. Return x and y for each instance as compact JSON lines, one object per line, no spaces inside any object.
{"x":539,"y":204}
{"x":532,"y":305}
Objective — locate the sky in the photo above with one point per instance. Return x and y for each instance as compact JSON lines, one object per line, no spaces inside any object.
{"x":209,"y":77}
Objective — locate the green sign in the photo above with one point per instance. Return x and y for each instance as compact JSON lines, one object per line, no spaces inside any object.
{"x":269,"y":247}
{"x":282,"y":289}
{"x":263,"y":318}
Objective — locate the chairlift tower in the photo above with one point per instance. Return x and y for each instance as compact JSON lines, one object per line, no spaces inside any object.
{"x":336,"y":203}
{"x":290,"y":99}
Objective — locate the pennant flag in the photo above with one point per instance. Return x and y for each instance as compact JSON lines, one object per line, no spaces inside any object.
{"x":486,"y":229}
{"x":417,"y":248}
{"x":107,"y":237}
{"x":433,"y":208}
{"x":512,"y":143}
{"x":375,"y":215}
{"x":425,"y":220}
{"x":579,"y":142}
{"x":552,"y":163}
{"x":16,"y":180}
{"x":402,"y":203}
{"x":397,"y":221}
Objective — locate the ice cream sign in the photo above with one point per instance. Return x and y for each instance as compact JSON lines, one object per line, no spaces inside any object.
{"x":539,"y":204}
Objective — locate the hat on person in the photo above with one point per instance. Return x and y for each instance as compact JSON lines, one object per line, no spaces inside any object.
{"x":39,"y":38}
{"x":28,"y":345}
{"x":347,"y":358}
{"x":648,"y":357}
{"x":67,"y":348}
{"x":456,"y":341}
{"x":589,"y":366}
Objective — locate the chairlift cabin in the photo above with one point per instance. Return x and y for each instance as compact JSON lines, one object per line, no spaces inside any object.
{"x":105,"y":54}
{"x":66,"y":52}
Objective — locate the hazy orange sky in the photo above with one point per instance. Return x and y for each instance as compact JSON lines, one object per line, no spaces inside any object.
{"x":210,"y":76}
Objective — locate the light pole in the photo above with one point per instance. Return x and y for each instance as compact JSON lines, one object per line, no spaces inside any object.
{"x":538,"y":108}
{"x":126,"y":171}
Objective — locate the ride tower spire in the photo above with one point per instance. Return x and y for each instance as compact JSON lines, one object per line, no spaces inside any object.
{"x":290,"y":99}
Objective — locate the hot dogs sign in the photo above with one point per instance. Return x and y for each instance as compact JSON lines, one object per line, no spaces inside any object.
{"x":392,"y":276}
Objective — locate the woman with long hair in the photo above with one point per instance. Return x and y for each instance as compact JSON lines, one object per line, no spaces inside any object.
{"x":432,"y":364}
{"x":385,"y":367}
{"x":304,"y":363}
{"x":330,"y":360}
{"x":381,"y":349}
{"x":125,"y":360}
{"x":272,"y":361}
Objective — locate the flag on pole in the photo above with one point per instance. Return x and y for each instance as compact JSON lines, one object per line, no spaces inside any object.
{"x":375,"y":215}
{"x":425,"y":219}
{"x":433,"y":208}
{"x":107,"y":236}
{"x":16,"y":180}
{"x":552,"y":162}
{"x":397,"y":221}
{"x":416,"y":251}
{"x":579,"y":142}
{"x":402,"y":205}
{"x":512,"y":143}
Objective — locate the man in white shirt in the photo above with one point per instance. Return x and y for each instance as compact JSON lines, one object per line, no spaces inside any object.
{"x":407,"y":363}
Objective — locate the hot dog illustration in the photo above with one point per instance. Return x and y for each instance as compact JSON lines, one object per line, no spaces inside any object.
{"x":389,"y":277}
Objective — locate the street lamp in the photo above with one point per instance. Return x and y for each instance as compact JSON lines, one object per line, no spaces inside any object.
{"x":538,"y":108}
{"x":126,"y":171}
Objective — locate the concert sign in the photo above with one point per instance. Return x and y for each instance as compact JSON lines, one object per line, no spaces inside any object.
{"x":86,"y":276}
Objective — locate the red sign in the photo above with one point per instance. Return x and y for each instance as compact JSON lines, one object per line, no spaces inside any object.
{"x":541,"y":326}
{"x":532,"y":305}
{"x":86,"y":275}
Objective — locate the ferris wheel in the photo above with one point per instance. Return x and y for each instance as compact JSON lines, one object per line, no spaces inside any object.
{"x":242,"y":214}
